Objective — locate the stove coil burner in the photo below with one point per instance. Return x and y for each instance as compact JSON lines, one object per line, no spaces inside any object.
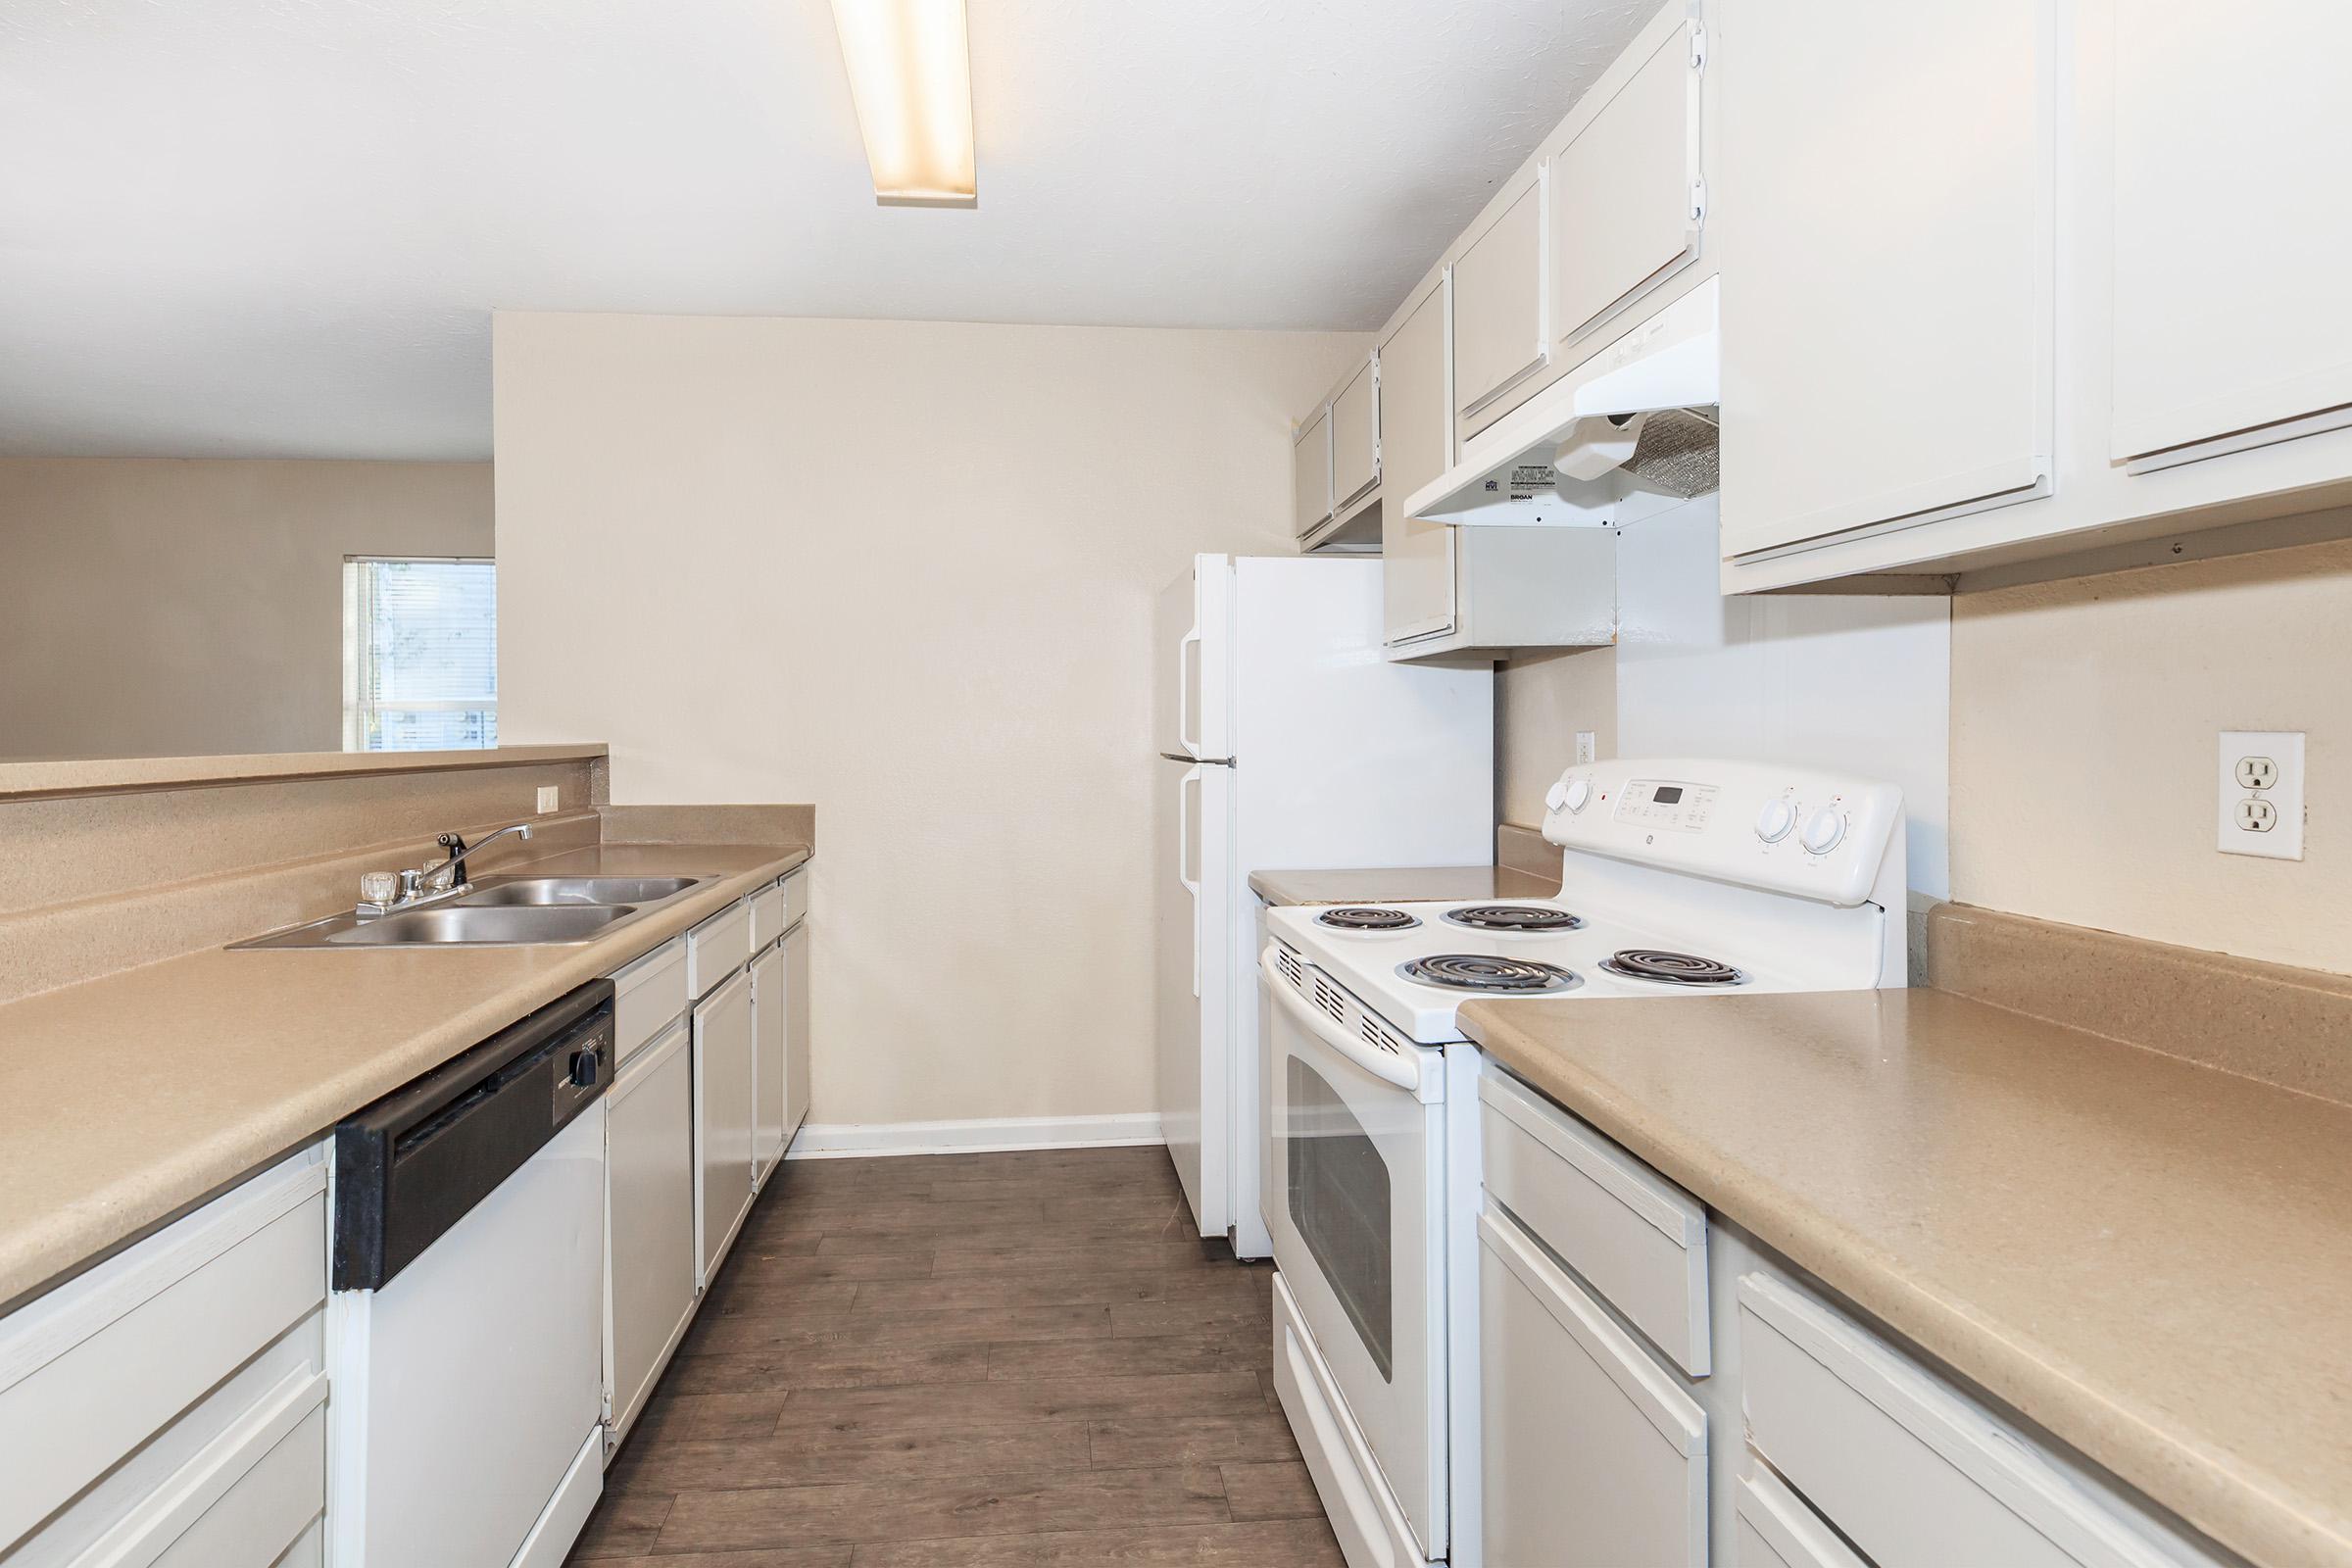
{"x":1671,"y":969}
{"x":1514,"y":917}
{"x":1355,"y":918}
{"x":1482,"y":971}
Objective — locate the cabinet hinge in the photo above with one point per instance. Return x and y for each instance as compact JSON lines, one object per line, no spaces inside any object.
{"x":1698,"y":46}
{"x":1699,"y":201}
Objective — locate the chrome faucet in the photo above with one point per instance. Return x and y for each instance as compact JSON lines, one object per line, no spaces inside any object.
{"x":452,"y":871}
{"x":381,"y":893}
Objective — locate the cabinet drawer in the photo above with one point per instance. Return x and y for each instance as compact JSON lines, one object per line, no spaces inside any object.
{"x":244,"y":1502}
{"x":1591,"y":1454}
{"x":717,"y":948}
{"x":91,"y":1372}
{"x":1641,"y":1240}
{"x":768,"y":918}
{"x":648,"y":997}
{"x":1776,"y":1530}
{"x":795,"y":897}
{"x":1904,"y":1468}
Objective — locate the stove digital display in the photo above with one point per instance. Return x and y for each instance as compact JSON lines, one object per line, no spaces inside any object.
{"x":1667,"y":793}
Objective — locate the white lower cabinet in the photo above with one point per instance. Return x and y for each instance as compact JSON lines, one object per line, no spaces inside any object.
{"x":167,"y":1406}
{"x":1593,"y":1454}
{"x":1903,"y":1466}
{"x":797,"y":1043}
{"x":771,"y":1004}
{"x":654,"y":1267}
{"x":722,"y":1117}
{"x":1774,"y":1529}
{"x":1595,"y":1411}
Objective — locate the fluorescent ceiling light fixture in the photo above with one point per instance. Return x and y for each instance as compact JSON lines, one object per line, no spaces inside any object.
{"x":911,"y":73}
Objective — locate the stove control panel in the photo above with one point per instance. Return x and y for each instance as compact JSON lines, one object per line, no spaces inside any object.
{"x":1821,"y":836}
{"x":1656,"y":803}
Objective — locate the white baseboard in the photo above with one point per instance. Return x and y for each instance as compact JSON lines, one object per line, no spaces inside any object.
{"x":851,"y":1140}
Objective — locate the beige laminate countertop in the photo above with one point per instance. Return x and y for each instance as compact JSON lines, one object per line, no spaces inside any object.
{"x":1401,"y":884}
{"x":127,"y":1099}
{"x":2149,"y":1259}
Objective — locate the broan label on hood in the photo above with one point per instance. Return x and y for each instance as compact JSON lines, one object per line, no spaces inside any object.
{"x":1526,"y":482}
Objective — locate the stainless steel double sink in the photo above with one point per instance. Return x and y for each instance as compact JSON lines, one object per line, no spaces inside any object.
{"x":499,"y":912}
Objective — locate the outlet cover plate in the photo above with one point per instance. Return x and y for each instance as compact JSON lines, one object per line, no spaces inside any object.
{"x":2283,"y":840}
{"x":549,"y":795}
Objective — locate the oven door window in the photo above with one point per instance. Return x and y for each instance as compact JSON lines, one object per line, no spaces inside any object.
{"x":1339,"y":1194}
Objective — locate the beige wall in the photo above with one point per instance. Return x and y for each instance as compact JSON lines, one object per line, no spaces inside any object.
{"x":1542,"y":701}
{"x":906,"y":571}
{"x":2085,"y":717}
{"x":162,"y":606}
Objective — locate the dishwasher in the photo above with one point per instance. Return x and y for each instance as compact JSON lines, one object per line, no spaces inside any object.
{"x":465,"y":1329}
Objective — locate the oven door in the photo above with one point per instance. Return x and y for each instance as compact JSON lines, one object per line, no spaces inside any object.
{"x":1353,"y":1199}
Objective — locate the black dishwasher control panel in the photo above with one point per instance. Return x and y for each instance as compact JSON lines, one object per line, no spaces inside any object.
{"x":416,"y":1162}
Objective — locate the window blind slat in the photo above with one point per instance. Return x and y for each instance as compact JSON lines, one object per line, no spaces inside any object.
{"x":424,"y":647}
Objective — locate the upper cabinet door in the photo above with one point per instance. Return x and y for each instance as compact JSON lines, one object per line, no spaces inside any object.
{"x":1887,"y":286}
{"x":2230,"y":227}
{"x":1498,"y":336}
{"x":1416,"y":438}
{"x":1310,"y":474}
{"x":1355,"y":435}
{"x":1626,"y":192}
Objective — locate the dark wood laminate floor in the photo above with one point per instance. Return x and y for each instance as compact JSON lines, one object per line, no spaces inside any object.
{"x":969,"y":1361}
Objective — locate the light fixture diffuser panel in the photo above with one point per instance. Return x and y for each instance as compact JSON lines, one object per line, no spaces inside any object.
{"x":911,"y":76}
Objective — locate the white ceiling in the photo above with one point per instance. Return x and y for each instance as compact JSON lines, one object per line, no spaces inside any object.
{"x":277,"y":227}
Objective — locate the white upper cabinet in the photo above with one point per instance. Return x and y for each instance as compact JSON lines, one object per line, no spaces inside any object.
{"x":1627,"y":194}
{"x":1310,"y":474}
{"x":1888,"y":320}
{"x":1416,"y":445}
{"x":1355,"y":437}
{"x":2230,"y":223}
{"x":1498,"y":332}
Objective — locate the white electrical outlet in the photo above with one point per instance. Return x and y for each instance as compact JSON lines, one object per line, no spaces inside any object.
{"x":2262,"y":793}
{"x":549,"y":795}
{"x":1584,"y":746}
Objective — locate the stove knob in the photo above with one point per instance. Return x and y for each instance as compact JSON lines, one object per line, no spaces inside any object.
{"x":1774,"y":820}
{"x":1555,"y":797}
{"x":1824,"y":829}
{"x":1579,"y":795}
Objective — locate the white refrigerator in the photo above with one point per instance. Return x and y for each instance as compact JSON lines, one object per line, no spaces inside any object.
{"x":1286,"y":739}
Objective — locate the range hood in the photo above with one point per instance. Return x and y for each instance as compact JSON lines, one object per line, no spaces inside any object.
{"x":1626,"y":434}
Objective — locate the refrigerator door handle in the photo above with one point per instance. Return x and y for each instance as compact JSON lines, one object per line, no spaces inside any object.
{"x":1197,"y":762}
{"x":1184,"y":861}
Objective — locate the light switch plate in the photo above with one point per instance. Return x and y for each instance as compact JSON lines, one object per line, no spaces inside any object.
{"x":549,"y":795}
{"x":2245,"y":827}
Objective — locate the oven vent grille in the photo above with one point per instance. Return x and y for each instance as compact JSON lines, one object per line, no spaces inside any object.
{"x":1376,"y":1038}
{"x":1288,"y":962}
{"x":1327,"y":996}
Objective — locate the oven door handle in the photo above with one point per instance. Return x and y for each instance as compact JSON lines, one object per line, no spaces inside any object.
{"x":1402,"y":1071}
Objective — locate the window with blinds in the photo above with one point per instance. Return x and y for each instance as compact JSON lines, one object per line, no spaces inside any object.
{"x":419,"y":655}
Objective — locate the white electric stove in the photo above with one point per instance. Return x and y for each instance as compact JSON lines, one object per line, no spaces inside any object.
{"x":1679,"y":880}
